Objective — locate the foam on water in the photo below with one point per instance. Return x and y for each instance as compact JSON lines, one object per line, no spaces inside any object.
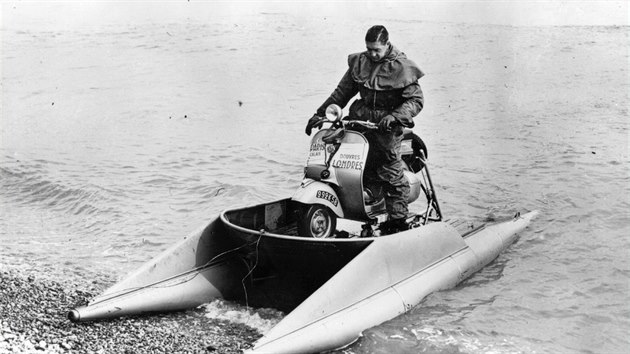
{"x":260,"y":319}
{"x":436,"y":340}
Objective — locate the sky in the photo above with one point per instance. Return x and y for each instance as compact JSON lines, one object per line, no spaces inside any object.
{"x":17,"y":14}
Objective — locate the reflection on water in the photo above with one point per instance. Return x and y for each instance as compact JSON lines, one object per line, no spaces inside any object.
{"x":118,"y":142}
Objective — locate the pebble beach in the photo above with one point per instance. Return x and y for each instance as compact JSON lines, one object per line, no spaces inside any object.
{"x":33,"y":319}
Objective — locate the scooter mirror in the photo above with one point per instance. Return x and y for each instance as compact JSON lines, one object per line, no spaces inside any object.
{"x":334,"y":112}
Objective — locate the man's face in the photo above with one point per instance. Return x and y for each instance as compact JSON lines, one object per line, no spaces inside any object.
{"x":376,"y":50}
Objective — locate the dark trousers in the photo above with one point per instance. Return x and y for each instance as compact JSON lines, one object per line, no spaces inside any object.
{"x":385,"y":166}
{"x":384,"y":163}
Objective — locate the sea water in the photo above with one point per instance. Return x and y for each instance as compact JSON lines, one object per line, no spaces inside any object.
{"x":118,"y":140}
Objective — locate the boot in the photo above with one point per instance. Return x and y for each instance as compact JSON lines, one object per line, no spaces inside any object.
{"x":393,"y":226}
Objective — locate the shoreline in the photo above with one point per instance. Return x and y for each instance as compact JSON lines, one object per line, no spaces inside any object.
{"x":33,"y":309}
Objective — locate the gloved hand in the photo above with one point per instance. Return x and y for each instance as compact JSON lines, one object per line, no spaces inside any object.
{"x":387,"y":123}
{"x":315,"y":122}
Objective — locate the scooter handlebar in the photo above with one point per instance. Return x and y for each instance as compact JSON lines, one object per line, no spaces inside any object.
{"x":364,"y":124}
{"x":349,"y":123}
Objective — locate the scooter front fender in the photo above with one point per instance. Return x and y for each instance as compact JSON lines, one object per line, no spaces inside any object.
{"x":316,"y":192}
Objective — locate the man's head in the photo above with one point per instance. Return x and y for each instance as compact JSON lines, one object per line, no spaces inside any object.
{"x":377,"y":42}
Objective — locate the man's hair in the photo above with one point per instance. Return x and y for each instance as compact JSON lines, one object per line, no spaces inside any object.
{"x":377,"y":33}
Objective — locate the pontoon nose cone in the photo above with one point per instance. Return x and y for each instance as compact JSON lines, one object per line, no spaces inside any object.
{"x":73,"y":315}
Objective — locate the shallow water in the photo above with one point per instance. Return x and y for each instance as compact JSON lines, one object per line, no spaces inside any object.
{"x":117,"y":142}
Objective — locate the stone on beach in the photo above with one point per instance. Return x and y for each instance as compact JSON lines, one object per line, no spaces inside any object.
{"x":33,"y":319}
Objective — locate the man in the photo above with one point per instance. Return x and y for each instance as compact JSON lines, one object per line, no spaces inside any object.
{"x":390,"y":96}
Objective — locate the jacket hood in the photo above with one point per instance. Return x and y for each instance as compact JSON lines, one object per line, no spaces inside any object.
{"x":394,"y":71}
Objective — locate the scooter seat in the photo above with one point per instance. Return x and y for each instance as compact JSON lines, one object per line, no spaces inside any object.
{"x":416,"y":143}
{"x":414,"y":151}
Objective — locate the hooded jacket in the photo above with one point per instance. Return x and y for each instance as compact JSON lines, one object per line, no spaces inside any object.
{"x":387,"y":87}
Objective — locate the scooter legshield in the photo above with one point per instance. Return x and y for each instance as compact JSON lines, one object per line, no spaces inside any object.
{"x":316,"y":192}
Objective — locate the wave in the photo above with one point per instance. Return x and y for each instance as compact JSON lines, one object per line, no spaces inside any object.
{"x":29,"y":185}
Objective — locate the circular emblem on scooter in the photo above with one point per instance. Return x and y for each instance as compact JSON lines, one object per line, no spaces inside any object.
{"x":325,"y":174}
{"x":330,"y":149}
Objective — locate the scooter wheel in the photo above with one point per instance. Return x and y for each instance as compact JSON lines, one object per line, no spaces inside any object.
{"x":316,"y":221}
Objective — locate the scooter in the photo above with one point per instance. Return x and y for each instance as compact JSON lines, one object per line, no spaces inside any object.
{"x":334,"y":186}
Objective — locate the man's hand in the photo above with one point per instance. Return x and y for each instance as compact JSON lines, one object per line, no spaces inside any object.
{"x":315,"y":122}
{"x":387,"y":123}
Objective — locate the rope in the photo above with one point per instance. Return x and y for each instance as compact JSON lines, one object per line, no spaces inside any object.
{"x":250,"y":271}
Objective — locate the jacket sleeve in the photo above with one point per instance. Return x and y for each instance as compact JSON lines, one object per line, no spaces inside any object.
{"x":346,"y":89}
{"x":412,"y":105}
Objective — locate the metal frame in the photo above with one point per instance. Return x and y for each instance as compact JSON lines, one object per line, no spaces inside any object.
{"x":429,"y":191}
